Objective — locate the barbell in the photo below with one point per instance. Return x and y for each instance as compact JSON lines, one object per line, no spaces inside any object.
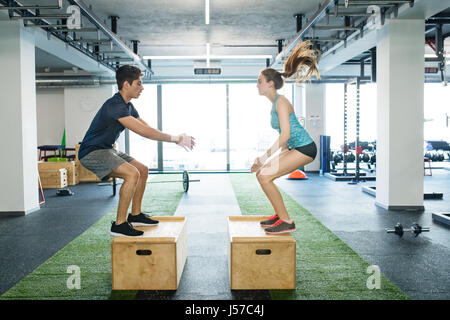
{"x":185,"y":181}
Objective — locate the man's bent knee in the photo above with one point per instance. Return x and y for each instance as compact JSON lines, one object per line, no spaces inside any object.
{"x":143,"y":172}
{"x":131,"y":175}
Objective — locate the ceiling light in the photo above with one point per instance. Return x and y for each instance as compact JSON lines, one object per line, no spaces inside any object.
{"x":173,"y":57}
{"x":222,"y":57}
{"x":254,"y":56}
{"x":206,"y":11}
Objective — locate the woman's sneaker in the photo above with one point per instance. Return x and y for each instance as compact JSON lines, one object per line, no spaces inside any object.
{"x":281,"y":227}
{"x":269,"y":222}
{"x":124,"y":229}
{"x":141,"y":220}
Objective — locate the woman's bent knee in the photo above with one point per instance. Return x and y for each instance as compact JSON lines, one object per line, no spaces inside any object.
{"x":263,"y":177}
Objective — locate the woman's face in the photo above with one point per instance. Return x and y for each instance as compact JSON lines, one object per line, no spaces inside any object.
{"x":262,"y":85}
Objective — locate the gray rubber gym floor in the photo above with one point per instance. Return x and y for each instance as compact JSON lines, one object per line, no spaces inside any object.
{"x":418,"y":266}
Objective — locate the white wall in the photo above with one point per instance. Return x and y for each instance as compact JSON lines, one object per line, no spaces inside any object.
{"x":72,"y":109}
{"x":50,"y":116}
{"x":81,"y":105}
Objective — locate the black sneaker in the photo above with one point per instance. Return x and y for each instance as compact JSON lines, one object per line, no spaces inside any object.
{"x":280,"y":227}
{"x":141,"y":220}
{"x":269,"y":222}
{"x":124,"y":229}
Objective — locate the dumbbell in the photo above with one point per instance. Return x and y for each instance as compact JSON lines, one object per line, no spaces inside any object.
{"x":337,"y":158}
{"x":349,"y":157}
{"x":415,"y":228}
{"x":365,"y":157}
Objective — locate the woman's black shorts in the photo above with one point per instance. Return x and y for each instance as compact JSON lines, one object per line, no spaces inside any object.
{"x":309,"y":150}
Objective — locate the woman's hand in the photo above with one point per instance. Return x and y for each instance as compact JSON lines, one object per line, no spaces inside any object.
{"x":284,"y":149}
{"x":259,"y":162}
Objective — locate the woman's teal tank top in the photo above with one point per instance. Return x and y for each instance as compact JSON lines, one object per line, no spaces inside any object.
{"x":299,"y":136}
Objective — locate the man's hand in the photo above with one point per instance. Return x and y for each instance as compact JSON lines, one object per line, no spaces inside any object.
{"x":185,"y":141}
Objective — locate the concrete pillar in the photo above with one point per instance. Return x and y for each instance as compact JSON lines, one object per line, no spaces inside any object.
{"x":314,"y":108}
{"x":18,"y":142}
{"x":400,"y":100}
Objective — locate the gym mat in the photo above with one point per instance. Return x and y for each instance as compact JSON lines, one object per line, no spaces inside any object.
{"x":327,"y":268}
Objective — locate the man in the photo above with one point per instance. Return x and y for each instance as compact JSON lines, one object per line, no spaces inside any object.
{"x":97,"y":154}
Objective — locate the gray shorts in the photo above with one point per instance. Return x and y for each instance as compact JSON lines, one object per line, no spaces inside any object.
{"x":103,"y":162}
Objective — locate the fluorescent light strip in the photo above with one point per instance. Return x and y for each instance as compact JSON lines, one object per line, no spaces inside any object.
{"x":211,"y":57}
{"x":256,"y":56}
{"x":206,"y":11}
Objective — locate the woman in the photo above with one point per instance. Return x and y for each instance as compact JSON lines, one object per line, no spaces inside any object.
{"x":297,"y":146}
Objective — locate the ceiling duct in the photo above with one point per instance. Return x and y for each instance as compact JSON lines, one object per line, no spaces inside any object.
{"x":71,"y":81}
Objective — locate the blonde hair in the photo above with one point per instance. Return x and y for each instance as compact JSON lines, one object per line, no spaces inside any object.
{"x":302,"y":61}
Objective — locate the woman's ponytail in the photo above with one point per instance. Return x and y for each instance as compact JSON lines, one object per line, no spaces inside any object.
{"x":303,"y":62}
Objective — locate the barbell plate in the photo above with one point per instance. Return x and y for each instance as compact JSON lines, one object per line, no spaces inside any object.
{"x":185,"y":181}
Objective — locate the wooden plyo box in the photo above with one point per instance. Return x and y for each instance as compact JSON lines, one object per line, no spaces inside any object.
{"x":72,"y":175}
{"x":56,"y":178}
{"x":258,"y":260}
{"x":154,"y":261}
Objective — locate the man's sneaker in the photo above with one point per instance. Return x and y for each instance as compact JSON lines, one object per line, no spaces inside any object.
{"x":141,"y":220}
{"x":280,"y":227}
{"x":125,"y":229}
{"x":269,"y":222}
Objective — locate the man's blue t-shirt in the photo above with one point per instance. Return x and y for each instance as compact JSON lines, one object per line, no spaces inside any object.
{"x":105,"y":129}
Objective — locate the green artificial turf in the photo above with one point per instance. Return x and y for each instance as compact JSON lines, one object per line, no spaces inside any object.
{"x":91,"y":252}
{"x":326,"y":267}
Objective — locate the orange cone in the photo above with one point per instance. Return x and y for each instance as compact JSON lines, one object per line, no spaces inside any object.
{"x":297,"y":175}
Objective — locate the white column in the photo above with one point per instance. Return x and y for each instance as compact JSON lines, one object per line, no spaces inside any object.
{"x":18,"y":133}
{"x":299,"y":102}
{"x":314,"y":108}
{"x":400,"y":95}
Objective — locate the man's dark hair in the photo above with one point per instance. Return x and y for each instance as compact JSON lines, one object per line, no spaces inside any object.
{"x":127,"y":73}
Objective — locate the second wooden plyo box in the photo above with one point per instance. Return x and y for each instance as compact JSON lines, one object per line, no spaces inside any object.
{"x":258,"y":260}
{"x":154,"y":261}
